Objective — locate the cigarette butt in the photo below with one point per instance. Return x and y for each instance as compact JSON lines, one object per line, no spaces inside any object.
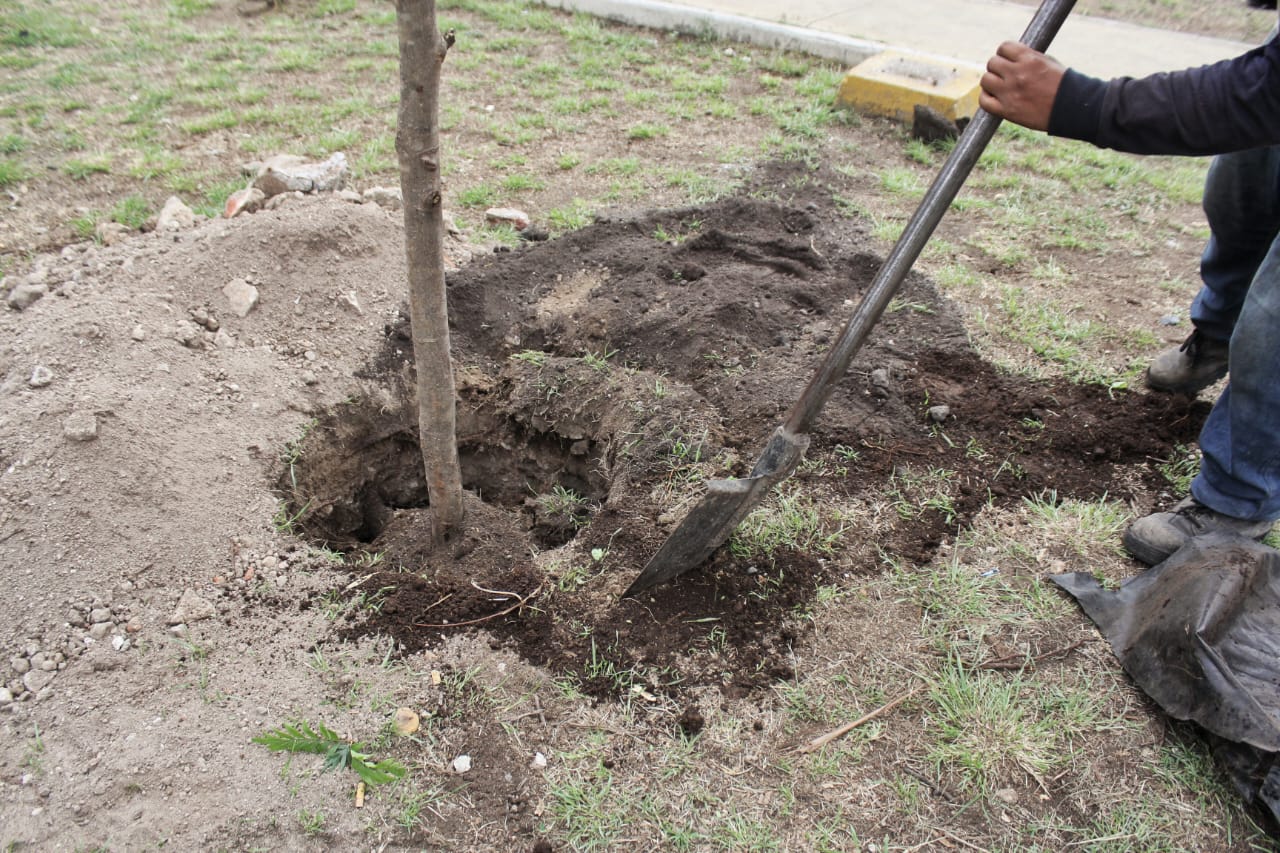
{"x":360,"y":795}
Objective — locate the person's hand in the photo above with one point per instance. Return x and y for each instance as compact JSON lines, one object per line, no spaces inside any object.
{"x":1020,"y":85}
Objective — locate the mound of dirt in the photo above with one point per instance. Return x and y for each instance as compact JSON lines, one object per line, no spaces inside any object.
{"x":598,"y":363}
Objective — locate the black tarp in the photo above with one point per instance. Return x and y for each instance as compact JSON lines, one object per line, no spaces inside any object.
{"x":1200,"y":634}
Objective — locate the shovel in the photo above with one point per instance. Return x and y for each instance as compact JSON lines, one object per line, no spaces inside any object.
{"x":727,"y":502}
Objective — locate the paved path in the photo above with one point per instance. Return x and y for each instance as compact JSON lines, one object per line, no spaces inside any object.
{"x":966,"y":30}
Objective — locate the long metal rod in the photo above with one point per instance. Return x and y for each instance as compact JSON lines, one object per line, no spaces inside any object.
{"x":1039,"y":33}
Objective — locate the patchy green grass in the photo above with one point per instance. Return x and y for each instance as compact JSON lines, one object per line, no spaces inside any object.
{"x":570,"y":116}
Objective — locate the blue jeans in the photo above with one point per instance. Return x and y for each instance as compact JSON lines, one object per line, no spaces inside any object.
{"x":1240,"y":301}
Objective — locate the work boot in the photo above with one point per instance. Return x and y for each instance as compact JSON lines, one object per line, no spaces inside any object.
{"x":1153,"y":538}
{"x":1187,"y":369}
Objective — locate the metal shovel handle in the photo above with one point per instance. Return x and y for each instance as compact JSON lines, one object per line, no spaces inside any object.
{"x":1039,"y":33}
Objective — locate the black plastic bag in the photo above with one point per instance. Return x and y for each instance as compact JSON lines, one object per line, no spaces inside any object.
{"x":1200,"y":634}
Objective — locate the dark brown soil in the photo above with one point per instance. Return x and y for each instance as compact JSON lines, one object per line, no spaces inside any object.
{"x":728,"y":316}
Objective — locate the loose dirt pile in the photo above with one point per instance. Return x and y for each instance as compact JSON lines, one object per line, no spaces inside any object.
{"x":170,"y":449}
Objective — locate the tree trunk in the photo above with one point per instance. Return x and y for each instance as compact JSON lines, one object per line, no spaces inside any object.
{"x":422,"y":53}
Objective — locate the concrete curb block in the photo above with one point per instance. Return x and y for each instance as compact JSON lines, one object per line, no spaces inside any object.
{"x":656,"y":15}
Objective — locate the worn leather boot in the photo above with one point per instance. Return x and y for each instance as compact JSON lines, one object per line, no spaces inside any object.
{"x":1153,"y":538}
{"x":1190,"y":368}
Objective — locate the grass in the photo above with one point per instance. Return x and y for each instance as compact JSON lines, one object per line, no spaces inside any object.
{"x":990,"y":729}
{"x":626,"y":117}
{"x":790,"y":520}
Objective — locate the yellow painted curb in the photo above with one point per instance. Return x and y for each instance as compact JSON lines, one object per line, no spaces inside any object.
{"x":892,"y":84}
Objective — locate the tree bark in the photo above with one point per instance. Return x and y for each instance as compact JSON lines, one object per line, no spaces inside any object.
{"x":422,"y":53}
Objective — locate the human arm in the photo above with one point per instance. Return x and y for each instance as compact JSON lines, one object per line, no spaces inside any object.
{"x":1231,"y":105}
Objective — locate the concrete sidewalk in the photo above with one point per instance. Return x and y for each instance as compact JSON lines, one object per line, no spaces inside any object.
{"x":849,"y":31}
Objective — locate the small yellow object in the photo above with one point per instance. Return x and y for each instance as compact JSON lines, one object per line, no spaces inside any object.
{"x":435,"y":678}
{"x":405,"y":722}
{"x":360,"y":795}
{"x":891,"y":84}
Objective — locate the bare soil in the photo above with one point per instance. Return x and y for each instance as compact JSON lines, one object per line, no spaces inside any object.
{"x":175,"y":587}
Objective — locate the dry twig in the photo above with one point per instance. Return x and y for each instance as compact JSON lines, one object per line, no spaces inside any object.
{"x":1020,"y":662}
{"x":819,"y":742}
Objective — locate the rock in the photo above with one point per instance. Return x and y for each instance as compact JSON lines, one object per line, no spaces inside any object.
{"x":192,"y":608}
{"x":175,"y":216}
{"x":100,"y":614}
{"x":139,"y":333}
{"x":37,"y":680}
{"x":80,"y":426}
{"x":929,"y":125}
{"x":24,"y":295}
{"x":189,"y":334}
{"x":20,"y":665}
{"x":349,"y":195}
{"x":350,"y":301}
{"x":242,"y":295}
{"x":461,"y":764}
{"x":405,"y":722}
{"x":6,"y":696}
{"x":938,"y":414}
{"x":1007,"y":795}
{"x":278,"y":201}
{"x":881,"y":382}
{"x":272,"y":183}
{"x":1170,"y":320}
{"x":539,"y":761}
{"x":387,"y":197}
{"x":224,"y":340}
{"x":309,"y":378}
{"x":247,"y":200}
{"x":287,"y":173}
{"x":40,"y":376}
{"x":518,"y":219}
{"x":110,"y":233}
{"x":119,"y":643}
{"x":99,"y":630}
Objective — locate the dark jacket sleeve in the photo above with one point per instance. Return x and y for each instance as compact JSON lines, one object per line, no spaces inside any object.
{"x":1231,"y":105}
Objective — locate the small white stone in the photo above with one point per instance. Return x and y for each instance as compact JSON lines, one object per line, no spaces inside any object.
{"x":462,"y":764}
{"x":539,"y":761}
{"x":191,"y":608}
{"x":242,"y":296}
{"x":40,"y":376}
{"x":351,"y":301}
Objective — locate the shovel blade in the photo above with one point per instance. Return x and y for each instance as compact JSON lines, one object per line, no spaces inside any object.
{"x":712,"y":520}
